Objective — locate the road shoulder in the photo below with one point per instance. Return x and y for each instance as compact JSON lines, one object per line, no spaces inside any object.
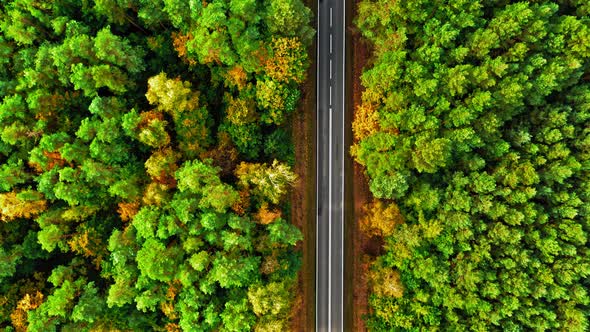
{"x":303,"y":195}
{"x":362,"y":246}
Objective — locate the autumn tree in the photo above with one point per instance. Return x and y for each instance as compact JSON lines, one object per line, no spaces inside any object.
{"x":380,"y":219}
{"x":268,"y":182}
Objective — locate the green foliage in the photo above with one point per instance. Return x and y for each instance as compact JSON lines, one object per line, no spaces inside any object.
{"x":118,"y":51}
{"x":119,"y":210}
{"x":481,"y":140}
{"x":289,"y":16}
{"x":277,"y":146}
{"x":232,"y":272}
{"x":237,"y":316}
{"x":157,"y":262}
{"x":246,"y":137}
{"x":8,"y":262}
{"x":283,"y":233}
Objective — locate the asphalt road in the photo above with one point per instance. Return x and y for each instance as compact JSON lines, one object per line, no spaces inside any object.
{"x":330,"y":166}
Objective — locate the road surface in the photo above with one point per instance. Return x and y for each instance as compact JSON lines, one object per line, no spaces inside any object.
{"x":330,"y":166}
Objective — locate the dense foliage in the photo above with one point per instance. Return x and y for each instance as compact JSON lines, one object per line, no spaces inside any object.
{"x":144,"y":163}
{"x":475,"y":121}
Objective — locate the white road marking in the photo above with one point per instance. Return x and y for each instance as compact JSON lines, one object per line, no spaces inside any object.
{"x":330,"y":17}
{"x":330,"y":222}
{"x":328,"y":208}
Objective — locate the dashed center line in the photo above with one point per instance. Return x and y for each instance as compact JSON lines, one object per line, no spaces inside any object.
{"x":334,"y":148}
{"x":330,"y":17}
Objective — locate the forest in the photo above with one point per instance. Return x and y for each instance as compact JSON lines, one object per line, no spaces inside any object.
{"x":474,"y":134}
{"x":146,"y":162}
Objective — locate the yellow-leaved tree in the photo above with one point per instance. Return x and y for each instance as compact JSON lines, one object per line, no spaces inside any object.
{"x":25,"y":204}
{"x":380,"y":219}
{"x":269,"y":183}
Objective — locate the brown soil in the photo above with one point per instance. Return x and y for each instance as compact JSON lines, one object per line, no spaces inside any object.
{"x":363,"y":246}
{"x":302,"y":207}
{"x":302,"y":197}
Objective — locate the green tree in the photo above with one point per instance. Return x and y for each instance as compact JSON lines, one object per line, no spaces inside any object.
{"x":118,"y":210}
{"x":479,"y":122}
{"x":156,"y":261}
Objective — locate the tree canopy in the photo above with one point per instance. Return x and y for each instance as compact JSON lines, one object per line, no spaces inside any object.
{"x":144,"y":164}
{"x":473,"y":131}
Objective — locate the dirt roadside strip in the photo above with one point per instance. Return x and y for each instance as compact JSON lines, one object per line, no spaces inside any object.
{"x":303,"y":204}
{"x":361,"y":245}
